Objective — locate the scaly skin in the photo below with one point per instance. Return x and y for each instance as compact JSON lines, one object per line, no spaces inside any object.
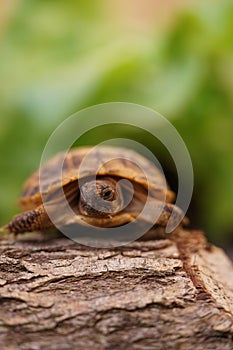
{"x":29,"y":221}
{"x":37,"y":220}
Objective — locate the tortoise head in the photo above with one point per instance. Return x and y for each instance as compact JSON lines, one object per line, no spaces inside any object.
{"x":100,"y":198}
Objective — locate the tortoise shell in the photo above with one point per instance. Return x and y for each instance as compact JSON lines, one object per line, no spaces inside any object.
{"x":124,"y":163}
{"x":99,"y":202}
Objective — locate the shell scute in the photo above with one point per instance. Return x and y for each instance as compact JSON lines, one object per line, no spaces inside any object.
{"x":114,"y":161}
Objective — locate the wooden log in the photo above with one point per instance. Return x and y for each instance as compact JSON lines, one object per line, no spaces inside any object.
{"x":173,"y":293}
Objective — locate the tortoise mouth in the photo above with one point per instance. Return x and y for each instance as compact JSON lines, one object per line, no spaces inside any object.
{"x":102,"y":222}
{"x":88,"y":211}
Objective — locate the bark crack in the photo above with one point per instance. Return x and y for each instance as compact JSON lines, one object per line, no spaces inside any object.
{"x":170,"y":293}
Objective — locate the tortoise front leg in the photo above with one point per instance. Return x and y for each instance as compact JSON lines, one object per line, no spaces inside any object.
{"x":165,"y":215}
{"x":157,"y":231}
{"x":32,"y":220}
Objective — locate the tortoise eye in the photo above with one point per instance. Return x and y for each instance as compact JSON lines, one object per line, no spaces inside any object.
{"x":108,"y":194}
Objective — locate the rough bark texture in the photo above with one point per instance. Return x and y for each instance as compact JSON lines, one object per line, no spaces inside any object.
{"x":174,"y":293}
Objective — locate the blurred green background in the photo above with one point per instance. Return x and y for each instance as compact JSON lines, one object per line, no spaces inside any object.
{"x":175,"y":56}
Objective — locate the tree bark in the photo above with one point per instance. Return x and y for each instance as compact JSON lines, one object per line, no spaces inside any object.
{"x":172,"y":293}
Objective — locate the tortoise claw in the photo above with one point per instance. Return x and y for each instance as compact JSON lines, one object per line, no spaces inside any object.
{"x":4,"y":232}
{"x":4,"y":228}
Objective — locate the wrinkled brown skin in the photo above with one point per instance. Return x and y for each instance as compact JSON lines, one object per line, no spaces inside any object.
{"x":38,"y":220}
{"x":32,"y":220}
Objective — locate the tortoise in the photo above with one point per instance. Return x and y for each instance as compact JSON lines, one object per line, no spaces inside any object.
{"x":97,"y":201}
